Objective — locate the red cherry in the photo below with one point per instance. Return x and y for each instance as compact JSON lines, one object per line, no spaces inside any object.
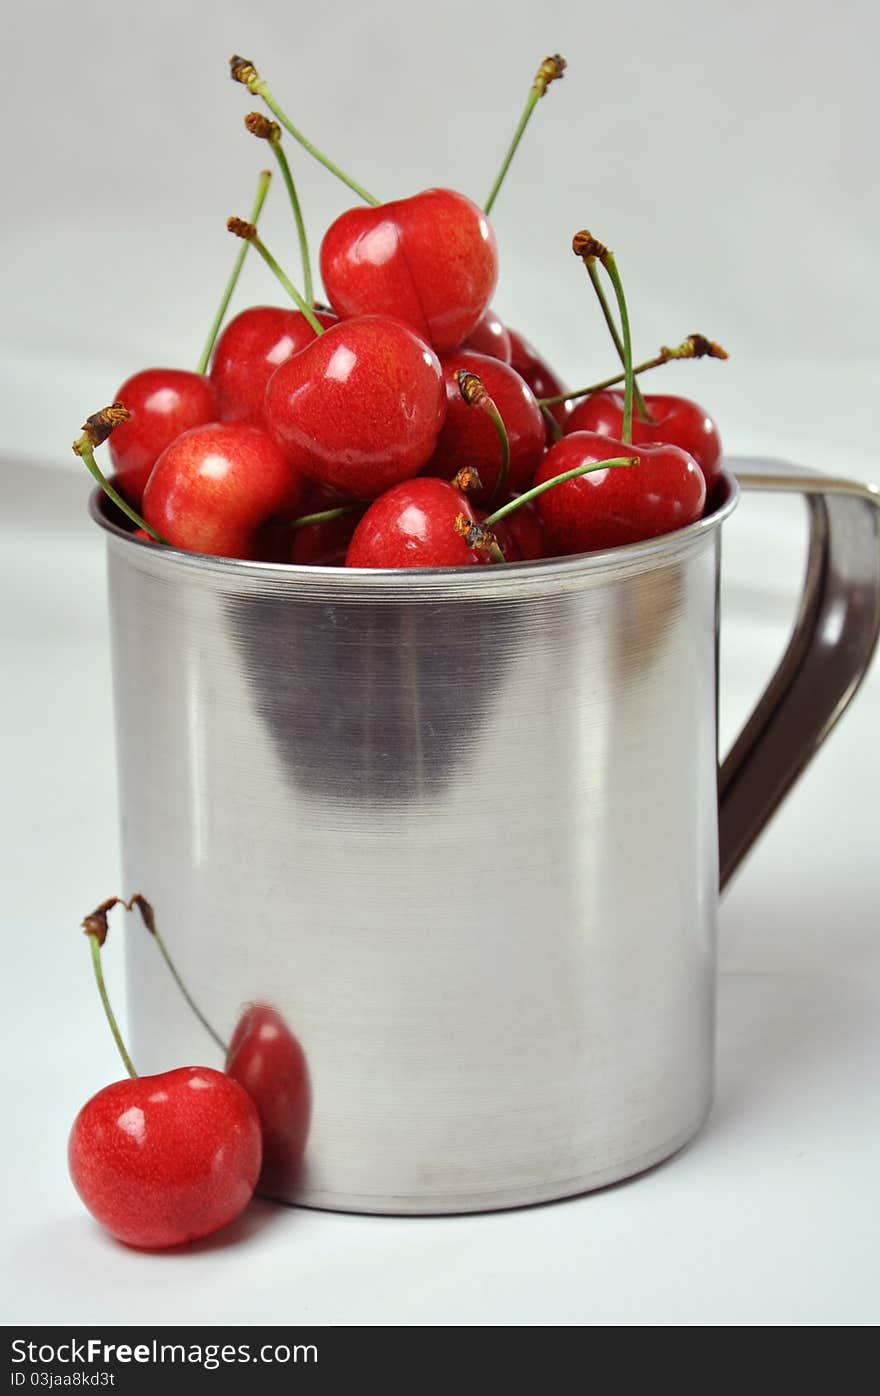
{"x":322,"y":544}
{"x":539,"y":376}
{"x":268,"y":1061}
{"x":360,"y":407}
{"x":163,"y":402}
{"x":413,"y":525}
{"x":468,"y":436}
{"x":676,"y":421}
{"x":608,"y":508}
{"x":490,"y":337}
{"x":430,"y":260}
{"x":214,"y":486}
{"x":159,"y":1160}
{"x":248,"y":352}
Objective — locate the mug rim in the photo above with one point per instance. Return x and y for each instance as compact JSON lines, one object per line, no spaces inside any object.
{"x":481,"y":581}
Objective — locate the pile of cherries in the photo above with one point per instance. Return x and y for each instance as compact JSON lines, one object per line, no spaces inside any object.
{"x":405,"y":425}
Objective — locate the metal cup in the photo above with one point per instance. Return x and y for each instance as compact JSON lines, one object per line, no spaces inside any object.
{"x":460,"y":829}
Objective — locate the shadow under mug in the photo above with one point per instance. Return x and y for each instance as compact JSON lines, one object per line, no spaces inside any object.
{"x":463,"y":832}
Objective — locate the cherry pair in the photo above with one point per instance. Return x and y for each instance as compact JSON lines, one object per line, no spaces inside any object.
{"x":165,"y":1159}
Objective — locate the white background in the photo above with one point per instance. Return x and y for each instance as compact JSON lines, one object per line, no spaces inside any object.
{"x":727,"y":154}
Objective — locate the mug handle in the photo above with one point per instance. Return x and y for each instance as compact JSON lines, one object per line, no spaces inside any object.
{"x":827,"y":658}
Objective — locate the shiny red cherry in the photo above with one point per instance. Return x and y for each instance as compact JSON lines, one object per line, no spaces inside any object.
{"x":608,"y":508}
{"x":163,"y":402}
{"x":490,"y":337}
{"x":413,"y":525}
{"x":675,"y":420}
{"x":248,"y":352}
{"x":214,"y":486}
{"x":540,"y":377}
{"x":160,"y":1160}
{"x":359,"y":408}
{"x":429,"y":260}
{"x":468,"y":436}
{"x":268,"y":1062}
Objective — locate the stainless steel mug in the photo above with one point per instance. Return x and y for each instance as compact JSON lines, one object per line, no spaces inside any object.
{"x":461,"y":830}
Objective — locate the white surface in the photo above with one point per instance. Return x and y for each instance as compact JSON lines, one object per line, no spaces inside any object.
{"x":768,"y":1218}
{"x":725,"y":152}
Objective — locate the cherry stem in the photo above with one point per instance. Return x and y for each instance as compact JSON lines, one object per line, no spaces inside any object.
{"x":242,"y":70}
{"x":546,"y":485}
{"x":266,"y":130}
{"x":554,"y":428}
{"x":612,"y":330}
{"x":696,"y":346}
{"x":472,"y":389}
{"x":494,"y":550}
{"x":549,"y":70}
{"x":262,"y":191}
{"x":111,"y":1019}
{"x":610,"y":266}
{"x":83,"y":447}
{"x":247,"y":231}
{"x":324,"y":516}
{"x":149,"y":921}
{"x":278,"y":152}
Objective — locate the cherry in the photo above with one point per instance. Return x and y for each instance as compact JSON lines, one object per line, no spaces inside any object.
{"x":539,"y":376}
{"x":164,"y":1159}
{"x":360,"y":407}
{"x":160,"y":1160}
{"x":468,"y":437}
{"x":522,"y":537}
{"x":268,"y":1062}
{"x":248,"y":352}
{"x":675,"y":421}
{"x":414,"y":525}
{"x":490,"y":337}
{"x":214,"y":486}
{"x":609,"y":508}
{"x":162,"y":403}
{"x":429,"y":260}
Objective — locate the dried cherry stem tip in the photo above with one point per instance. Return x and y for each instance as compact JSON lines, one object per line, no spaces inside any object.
{"x":242,"y":70}
{"x":551,"y":69}
{"x":696,"y":346}
{"x":262,"y":190}
{"x":468,"y":480}
{"x":95,"y":430}
{"x":260,"y":125}
{"x":242,"y":229}
{"x":478,"y":537}
{"x":95,"y":927}
{"x":473,"y":390}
